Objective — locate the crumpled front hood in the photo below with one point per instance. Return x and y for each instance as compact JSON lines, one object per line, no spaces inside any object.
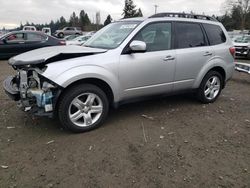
{"x":52,"y":54}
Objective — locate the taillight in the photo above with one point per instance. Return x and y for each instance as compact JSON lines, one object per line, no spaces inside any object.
{"x":62,"y":42}
{"x":232,"y":51}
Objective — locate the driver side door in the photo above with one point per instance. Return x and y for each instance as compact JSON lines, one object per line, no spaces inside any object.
{"x":151,"y":72}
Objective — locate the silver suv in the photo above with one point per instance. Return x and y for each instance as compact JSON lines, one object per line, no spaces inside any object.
{"x":128,"y":59}
{"x":68,"y":31}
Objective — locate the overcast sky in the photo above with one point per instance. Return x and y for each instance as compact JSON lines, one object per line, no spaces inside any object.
{"x":13,"y":12}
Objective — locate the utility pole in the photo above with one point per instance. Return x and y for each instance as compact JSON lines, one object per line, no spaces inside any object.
{"x":156,"y":6}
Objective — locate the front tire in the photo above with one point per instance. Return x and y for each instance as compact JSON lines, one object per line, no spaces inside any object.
{"x":211,"y":87}
{"x":82,"y":108}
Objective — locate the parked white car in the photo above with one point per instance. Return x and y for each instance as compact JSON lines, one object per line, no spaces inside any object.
{"x":46,"y":30}
{"x":29,"y":28}
{"x":79,"y":40}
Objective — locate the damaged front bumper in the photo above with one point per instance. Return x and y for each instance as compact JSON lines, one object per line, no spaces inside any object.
{"x":34,"y":93}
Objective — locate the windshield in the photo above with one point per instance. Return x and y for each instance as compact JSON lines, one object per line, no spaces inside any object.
{"x":243,"y":39}
{"x":111,"y":36}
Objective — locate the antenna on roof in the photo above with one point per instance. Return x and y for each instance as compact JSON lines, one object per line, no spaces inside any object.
{"x":156,"y":6}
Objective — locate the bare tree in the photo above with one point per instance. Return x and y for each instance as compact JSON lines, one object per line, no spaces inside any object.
{"x":243,"y":6}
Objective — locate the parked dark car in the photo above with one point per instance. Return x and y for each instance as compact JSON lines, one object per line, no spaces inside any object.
{"x":14,"y":43}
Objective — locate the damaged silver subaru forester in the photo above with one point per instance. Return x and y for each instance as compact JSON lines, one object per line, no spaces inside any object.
{"x":128,"y":59}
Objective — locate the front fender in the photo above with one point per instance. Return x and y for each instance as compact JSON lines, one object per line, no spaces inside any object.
{"x":83,"y":72}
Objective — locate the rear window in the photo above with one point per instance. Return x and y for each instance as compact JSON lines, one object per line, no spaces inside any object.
{"x":215,"y":34}
{"x":189,"y":35}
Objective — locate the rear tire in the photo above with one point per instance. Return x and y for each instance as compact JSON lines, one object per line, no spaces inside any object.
{"x":210,"y":88}
{"x":61,"y":35}
{"x":82,"y":108}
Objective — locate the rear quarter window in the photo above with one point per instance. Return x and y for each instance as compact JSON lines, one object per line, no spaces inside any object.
{"x":215,"y":34}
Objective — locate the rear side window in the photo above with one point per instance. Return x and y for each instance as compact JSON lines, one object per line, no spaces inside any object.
{"x":35,"y":37}
{"x":189,"y":35}
{"x":215,"y":34}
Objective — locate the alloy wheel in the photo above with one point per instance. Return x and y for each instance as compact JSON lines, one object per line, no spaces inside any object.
{"x":85,"y":110}
{"x":212,"y":88}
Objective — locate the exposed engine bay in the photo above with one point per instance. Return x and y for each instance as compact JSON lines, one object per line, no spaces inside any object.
{"x":33,"y":92}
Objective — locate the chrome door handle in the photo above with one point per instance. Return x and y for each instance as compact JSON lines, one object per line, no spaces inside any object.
{"x":208,"y":53}
{"x":169,"y":58}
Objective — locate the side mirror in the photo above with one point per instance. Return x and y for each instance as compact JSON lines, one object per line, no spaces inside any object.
{"x":138,"y":46}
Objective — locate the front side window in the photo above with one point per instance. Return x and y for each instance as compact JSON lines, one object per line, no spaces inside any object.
{"x":215,"y":34}
{"x":157,"y":36}
{"x":18,"y":37}
{"x":112,"y":35}
{"x":189,"y":35}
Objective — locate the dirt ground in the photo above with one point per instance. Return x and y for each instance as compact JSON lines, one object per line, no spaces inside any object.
{"x":184,"y":144}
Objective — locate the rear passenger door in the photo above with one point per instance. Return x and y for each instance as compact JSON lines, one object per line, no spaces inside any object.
{"x":35,"y":40}
{"x":193,"y":51}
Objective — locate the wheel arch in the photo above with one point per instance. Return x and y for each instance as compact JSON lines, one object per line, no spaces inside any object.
{"x":222,"y":73}
{"x":104,"y":86}
{"x":218,"y":67}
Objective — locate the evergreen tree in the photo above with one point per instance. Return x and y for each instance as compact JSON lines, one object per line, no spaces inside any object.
{"x":62,"y":22}
{"x":84,"y":19}
{"x":139,"y":13}
{"x":87,"y":20}
{"x":129,"y":10}
{"x":236,"y":18}
{"x":243,"y":8}
{"x":74,"y":20}
{"x":108,"y":20}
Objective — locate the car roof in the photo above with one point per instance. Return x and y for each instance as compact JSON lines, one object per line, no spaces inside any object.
{"x":140,"y":19}
{"x":174,"y":17}
{"x":25,"y":31}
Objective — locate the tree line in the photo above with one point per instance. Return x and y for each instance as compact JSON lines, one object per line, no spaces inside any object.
{"x":236,"y":17}
{"x":83,"y":21}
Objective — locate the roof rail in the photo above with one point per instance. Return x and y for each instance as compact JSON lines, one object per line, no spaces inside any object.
{"x":183,"y":15}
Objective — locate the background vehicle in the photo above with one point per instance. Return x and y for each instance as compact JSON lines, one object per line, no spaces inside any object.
{"x":242,"y":46}
{"x":18,"y":42}
{"x":80,"y":40}
{"x":243,"y":67}
{"x":126,"y":60}
{"x":29,"y":28}
{"x":68,"y":31}
{"x":46,"y":30}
